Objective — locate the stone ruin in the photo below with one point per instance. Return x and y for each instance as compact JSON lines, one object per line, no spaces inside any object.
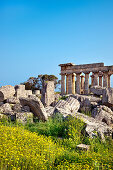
{"x":47,"y":93}
{"x":70,"y":70}
{"x":21,"y":104}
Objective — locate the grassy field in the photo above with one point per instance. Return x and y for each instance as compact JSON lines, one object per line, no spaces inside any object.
{"x":51,"y":145}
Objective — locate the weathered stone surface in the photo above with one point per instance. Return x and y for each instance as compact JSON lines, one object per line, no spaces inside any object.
{"x":97,"y":90}
{"x":1,"y":103}
{"x":107,"y":96}
{"x":23,"y":117}
{"x":13,"y":100}
{"x":94,"y":127}
{"x":7,"y":91}
{"x":36,"y":106}
{"x":87,"y":102}
{"x":28,"y":92}
{"x":37,"y":92}
{"x":17,"y":107}
{"x":5,"y":108}
{"x":22,"y":87}
{"x":49,"y":110}
{"x":21,"y":92}
{"x":48,"y":96}
{"x":26,"y":109}
{"x":83,"y":147}
{"x":103,"y":114}
{"x":68,"y":106}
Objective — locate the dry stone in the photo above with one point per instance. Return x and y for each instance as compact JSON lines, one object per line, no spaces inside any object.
{"x":36,"y":106}
{"x":95,"y":127}
{"x":87,"y":103}
{"x":7,"y":91}
{"x":13,"y":100}
{"x":1,"y":103}
{"x":21,"y":92}
{"x":107,"y":97}
{"x":37,"y":92}
{"x":97,"y":90}
{"x":83,"y":147}
{"x":23,"y":117}
{"x":103,"y":114}
{"x":26,"y":109}
{"x":68,"y":106}
{"x":48,"y":96}
{"x":5,"y":108}
{"x":17,"y":107}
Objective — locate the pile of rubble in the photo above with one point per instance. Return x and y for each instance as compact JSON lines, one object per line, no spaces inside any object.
{"x":20,"y":104}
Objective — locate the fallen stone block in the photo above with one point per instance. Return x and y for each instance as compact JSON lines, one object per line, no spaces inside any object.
{"x":6,"y":92}
{"x":36,"y":106}
{"x":83,"y":147}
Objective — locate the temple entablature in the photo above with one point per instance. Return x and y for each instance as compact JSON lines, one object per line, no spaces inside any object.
{"x":100,"y":76}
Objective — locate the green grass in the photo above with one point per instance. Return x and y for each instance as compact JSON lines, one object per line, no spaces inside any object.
{"x":67,"y":133}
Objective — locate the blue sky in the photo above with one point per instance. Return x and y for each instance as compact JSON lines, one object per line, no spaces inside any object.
{"x":38,"y":35}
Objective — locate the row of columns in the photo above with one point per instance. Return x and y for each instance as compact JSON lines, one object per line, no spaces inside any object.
{"x":105,"y":76}
{"x":82,"y":86}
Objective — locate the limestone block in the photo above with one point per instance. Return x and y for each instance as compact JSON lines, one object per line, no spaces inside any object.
{"x":87,"y":102}
{"x":103,"y":114}
{"x":22,"y":87}
{"x":17,"y":107}
{"x":23,"y":117}
{"x":28,"y":92}
{"x":107,"y":96}
{"x":37,"y":92}
{"x":5,"y":108}
{"x":1,"y":103}
{"x":83,"y":147}
{"x":21,"y":92}
{"x":95,"y":127}
{"x":36,"y":106}
{"x":26,"y":109}
{"x":7,"y":91}
{"x":48,"y":96}
{"x":97,"y":90}
{"x":13,"y":100}
{"x":70,"y":106}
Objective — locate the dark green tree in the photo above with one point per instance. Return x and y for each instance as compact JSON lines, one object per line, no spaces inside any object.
{"x":35,"y":83}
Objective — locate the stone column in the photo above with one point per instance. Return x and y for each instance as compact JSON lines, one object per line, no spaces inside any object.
{"x":82,"y":84}
{"x":86,"y":84}
{"x":109,"y":83}
{"x":100,"y":79}
{"x":66,"y":83}
{"x":70,"y":84}
{"x":95,"y":79}
{"x":105,"y":79}
{"x":78,"y":83}
{"x":73,"y":83}
{"x":62,"y":84}
{"x":92,"y":80}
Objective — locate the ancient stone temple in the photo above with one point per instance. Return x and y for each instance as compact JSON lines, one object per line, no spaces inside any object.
{"x":100,"y":75}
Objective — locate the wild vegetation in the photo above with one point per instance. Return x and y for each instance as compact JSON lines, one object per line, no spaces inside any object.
{"x":35,"y":83}
{"x":52,"y":145}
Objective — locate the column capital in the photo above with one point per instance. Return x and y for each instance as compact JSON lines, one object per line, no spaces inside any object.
{"x":62,"y":74}
{"x":86,"y":72}
{"x":100,"y":74}
{"x":95,"y":72}
{"x":105,"y":72}
{"x":78,"y":73}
